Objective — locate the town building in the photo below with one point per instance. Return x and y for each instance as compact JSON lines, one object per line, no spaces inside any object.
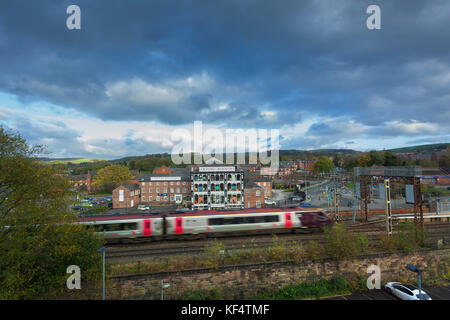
{"x":159,"y":189}
{"x":126,"y":196}
{"x":84,"y":181}
{"x":217,"y":187}
{"x":254,"y":195}
{"x":263,"y":181}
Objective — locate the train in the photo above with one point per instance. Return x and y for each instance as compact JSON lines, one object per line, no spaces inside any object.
{"x":206,"y":223}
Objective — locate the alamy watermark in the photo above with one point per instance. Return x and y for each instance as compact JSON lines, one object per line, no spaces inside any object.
{"x":261,"y":145}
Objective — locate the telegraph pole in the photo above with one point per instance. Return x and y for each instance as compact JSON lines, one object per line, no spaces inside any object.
{"x":387,"y":196}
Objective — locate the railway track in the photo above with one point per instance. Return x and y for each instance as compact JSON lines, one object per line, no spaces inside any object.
{"x":164,"y":250}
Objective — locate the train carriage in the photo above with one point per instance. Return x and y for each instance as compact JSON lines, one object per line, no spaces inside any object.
{"x":180,"y":225}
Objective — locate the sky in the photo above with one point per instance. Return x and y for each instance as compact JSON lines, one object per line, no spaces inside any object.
{"x":138,"y":71}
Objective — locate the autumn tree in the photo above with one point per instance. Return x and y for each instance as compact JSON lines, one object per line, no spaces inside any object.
{"x":110,"y":177}
{"x":38,"y":239}
{"x":323,"y":165}
{"x":363,"y":160}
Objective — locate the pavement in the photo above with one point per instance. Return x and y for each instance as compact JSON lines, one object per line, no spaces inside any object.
{"x":436,"y":293}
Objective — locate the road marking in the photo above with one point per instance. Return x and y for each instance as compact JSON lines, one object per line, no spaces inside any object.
{"x":366,"y":296}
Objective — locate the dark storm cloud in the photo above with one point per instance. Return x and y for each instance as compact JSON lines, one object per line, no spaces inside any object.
{"x":269,"y":62}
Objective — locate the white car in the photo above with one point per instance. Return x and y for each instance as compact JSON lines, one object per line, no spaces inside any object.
{"x":270,"y":202}
{"x":405,"y":291}
{"x":143,"y":207}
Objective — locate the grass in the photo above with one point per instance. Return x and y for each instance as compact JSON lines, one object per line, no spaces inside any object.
{"x":74,"y":161}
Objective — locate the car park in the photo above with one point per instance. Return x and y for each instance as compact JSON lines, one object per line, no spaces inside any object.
{"x":406,"y":291}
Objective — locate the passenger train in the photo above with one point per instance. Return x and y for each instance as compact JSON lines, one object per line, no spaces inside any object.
{"x":207,"y":223}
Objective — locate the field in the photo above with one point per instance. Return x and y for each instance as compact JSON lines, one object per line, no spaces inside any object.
{"x":74,"y":161}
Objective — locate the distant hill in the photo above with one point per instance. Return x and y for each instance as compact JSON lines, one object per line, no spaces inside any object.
{"x":71,"y":160}
{"x":426,"y":148}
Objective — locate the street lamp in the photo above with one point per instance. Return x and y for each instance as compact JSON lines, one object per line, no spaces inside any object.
{"x":103,"y":250}
{"x":163,"y":286}
{"x":419,"y":274}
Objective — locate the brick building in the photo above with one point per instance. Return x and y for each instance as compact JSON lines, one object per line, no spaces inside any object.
{"x":164,"y":188}
{"x":126,"y":196}
{"x":265,"y":182}
{"x":254,"y":195}
{"x":86,"y":180}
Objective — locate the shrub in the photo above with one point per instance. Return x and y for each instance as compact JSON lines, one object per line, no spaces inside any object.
{"x":317,"y":289}
{"x":342,"y":243}
{"x":201,"y":294}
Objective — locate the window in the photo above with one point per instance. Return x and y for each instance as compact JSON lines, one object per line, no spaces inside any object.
{"x":171,"y":190}
{"x":111,"y":227}
{"x":178,"y":183}
{"x":165,"y":190}
{"x":178,"y":190}
{"x":258,"y":193}
{"x":150,"y":190}
{"x":258,"y":204}
{"x":121,"y":195}
{"x":157,"y":198}
{"x":171,"y":183}
{"x":143,"y":198}
{"x":150,"y":198}
{"x":171,"y":198}
{"x":242,"y":220}
{"x":184,"y":190}
{"x":143,"y":190}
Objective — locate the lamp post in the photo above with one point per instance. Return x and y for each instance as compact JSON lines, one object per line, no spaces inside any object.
{"x":103,"y":250}
{"x":163,"y":286}
{"x":419,"y":274}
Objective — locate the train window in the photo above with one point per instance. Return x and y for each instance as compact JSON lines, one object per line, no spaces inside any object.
{"x":271,"y":219}
{"x":242,"y":220}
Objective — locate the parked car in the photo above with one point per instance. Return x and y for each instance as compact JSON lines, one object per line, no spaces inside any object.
{"x":108,"y":198}
{"x":270,"y":202}
{"x":143,"y":207}
{"x":406,"y":291}
{"x":87,"y":204}
{"x":295,"y":198}
{"x":306,"y":205}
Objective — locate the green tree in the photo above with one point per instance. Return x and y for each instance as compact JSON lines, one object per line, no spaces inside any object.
{"x":323,"y":165}
{"x":111,"y":177}
{"x":363,"y":160}
{"x":38,"y":239}
{"x":337,"y":159}
{"x":376,"y":158}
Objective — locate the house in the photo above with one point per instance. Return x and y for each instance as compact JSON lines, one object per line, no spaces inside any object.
{"x":265,"y":182}
{"x":126,"y":196}
{"x":254,"y":195}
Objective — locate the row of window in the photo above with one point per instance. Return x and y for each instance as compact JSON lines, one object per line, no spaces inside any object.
{"x":217,"y":177}
{"x":158,"y":198}
{"x":242,"y":220}
{"x":111,"y":227}
{"x":158,"y":190}
{"x":163,"y":183}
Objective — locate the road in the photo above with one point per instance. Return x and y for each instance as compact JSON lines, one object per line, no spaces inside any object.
{"x":436,"y":293}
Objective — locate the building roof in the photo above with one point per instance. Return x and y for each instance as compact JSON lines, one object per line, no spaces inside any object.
{"x":251,"y":185}
{"x":131,"y":187}
{"x":256,"y":177}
